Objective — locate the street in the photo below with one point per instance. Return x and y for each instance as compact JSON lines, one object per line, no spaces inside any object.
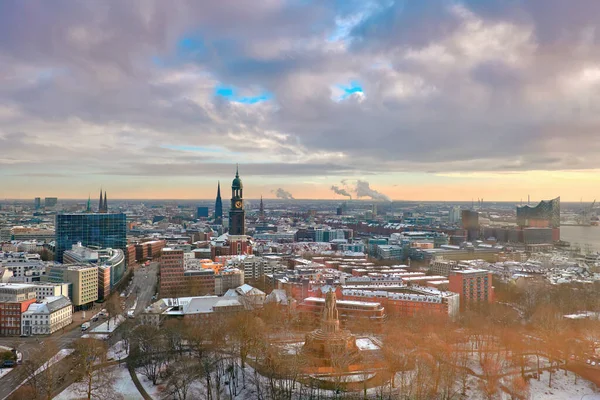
{"x":143,"y":285}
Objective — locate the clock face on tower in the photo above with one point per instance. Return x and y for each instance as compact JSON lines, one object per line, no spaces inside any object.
{"x":238,"y":204}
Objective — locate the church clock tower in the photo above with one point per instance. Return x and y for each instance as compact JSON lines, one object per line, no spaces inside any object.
{"x":237,"y":215}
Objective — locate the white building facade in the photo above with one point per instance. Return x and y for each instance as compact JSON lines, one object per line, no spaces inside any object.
{"x":47,"y":317}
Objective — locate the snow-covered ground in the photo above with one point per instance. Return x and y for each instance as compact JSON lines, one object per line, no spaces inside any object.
{"x":366,"y":344}
{"x":4,"y":371}
{"x":118,"y":351}
{"x":54,"y":359}
{"x":346,"y":378}
{"x":105,"y":328}
{"x":153,"y":391}
{"x":563,"y":388}
{"x":95,"y":336}
{"x":122,"y":384}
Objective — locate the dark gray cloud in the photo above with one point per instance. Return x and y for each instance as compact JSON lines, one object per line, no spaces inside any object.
{"x":121,"y":88}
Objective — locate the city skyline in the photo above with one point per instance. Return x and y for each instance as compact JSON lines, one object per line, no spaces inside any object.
{"x":449,"y":100}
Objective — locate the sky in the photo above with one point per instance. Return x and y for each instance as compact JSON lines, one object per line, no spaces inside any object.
{"x":403,"y":100}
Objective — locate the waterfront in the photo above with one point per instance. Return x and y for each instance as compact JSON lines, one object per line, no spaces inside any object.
{"x":582,"y":235}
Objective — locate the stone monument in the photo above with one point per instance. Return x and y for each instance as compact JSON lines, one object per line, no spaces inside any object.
{"x":330,"y":340}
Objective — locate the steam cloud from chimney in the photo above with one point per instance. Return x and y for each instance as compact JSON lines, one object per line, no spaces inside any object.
{"x":363,"y":189}
{"x":283,"y":194}
{"x":341,"y":191}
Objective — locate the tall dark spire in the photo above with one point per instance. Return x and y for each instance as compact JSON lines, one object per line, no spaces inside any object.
{"x":89,"y":204}
{"x":262,"y":209}
{"x":101,"y":204}
{"x":237,"y":173}
{"x":105,"y":208}
{"x":218,"y":206}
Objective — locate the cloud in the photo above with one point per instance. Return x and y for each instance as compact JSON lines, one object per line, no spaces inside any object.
{"x":283,"y":194}
{"x":363,"y":189}
{"x":340,"y":191}
{"x":295,"y":88}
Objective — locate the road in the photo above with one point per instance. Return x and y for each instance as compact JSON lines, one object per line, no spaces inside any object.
{"x":144,"y":286}
{"x":144,"y":281}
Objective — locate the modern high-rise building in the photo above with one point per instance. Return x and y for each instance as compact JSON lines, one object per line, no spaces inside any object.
{"x":50,"y":201}
{"x":218,"y":206}
{"x":37,"y":203}
{"x":90,"y":229}
{"x":237,"y":214}
{"x":454,"y":215}
{"x":201,"y":212}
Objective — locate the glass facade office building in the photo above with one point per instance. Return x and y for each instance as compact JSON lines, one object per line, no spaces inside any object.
{"x":101,"y":230}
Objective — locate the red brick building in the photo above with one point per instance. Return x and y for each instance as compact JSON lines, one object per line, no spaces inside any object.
{"x":171,"y":273}
{"x":230,"y":245}
{"x":130,"y":254}
{"x":148,"y":250}
{"x":175,"y":281}
{"x":409,"y":302}
{"x":10,"y":316}
{"x":473,"y":286}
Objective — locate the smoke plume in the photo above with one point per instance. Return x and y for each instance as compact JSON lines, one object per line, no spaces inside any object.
{"x":283,"y":194}
{"x":341,"y":191}
{"x":363,"y":189}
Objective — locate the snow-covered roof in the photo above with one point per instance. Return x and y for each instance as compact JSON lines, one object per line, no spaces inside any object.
{"x":277,"y":296}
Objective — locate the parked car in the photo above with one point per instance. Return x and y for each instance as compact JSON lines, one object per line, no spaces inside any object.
{"x":8,"y":364}
{"x":85,"y":326}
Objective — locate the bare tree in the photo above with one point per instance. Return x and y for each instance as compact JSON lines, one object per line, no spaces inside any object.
{"x":148,"y":351}
{"x":113,"y":309}
{"x":36,"y":371}
{"x":179,"y":379}
{"x":95,"y":380}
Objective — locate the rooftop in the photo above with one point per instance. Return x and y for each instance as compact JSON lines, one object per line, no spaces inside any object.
{"x":470,"y":271}
{"x":344,"y":302}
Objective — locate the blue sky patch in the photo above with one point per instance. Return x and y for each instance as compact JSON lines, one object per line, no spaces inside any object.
{"x":350,"y":89}
{"x":232,"y":94}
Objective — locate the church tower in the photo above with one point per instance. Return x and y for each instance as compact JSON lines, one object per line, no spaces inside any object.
{"x":261,"y":212}
{"x":237,"y":217}
{"x":219,"y":206}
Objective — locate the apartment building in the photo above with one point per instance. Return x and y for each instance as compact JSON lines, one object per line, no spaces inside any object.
{"x":473,"y":285}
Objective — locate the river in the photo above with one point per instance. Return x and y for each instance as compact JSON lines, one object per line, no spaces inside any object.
{"x":582,"y":235}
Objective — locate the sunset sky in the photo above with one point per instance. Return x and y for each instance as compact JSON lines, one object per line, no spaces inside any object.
{"x":413,"y":100}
